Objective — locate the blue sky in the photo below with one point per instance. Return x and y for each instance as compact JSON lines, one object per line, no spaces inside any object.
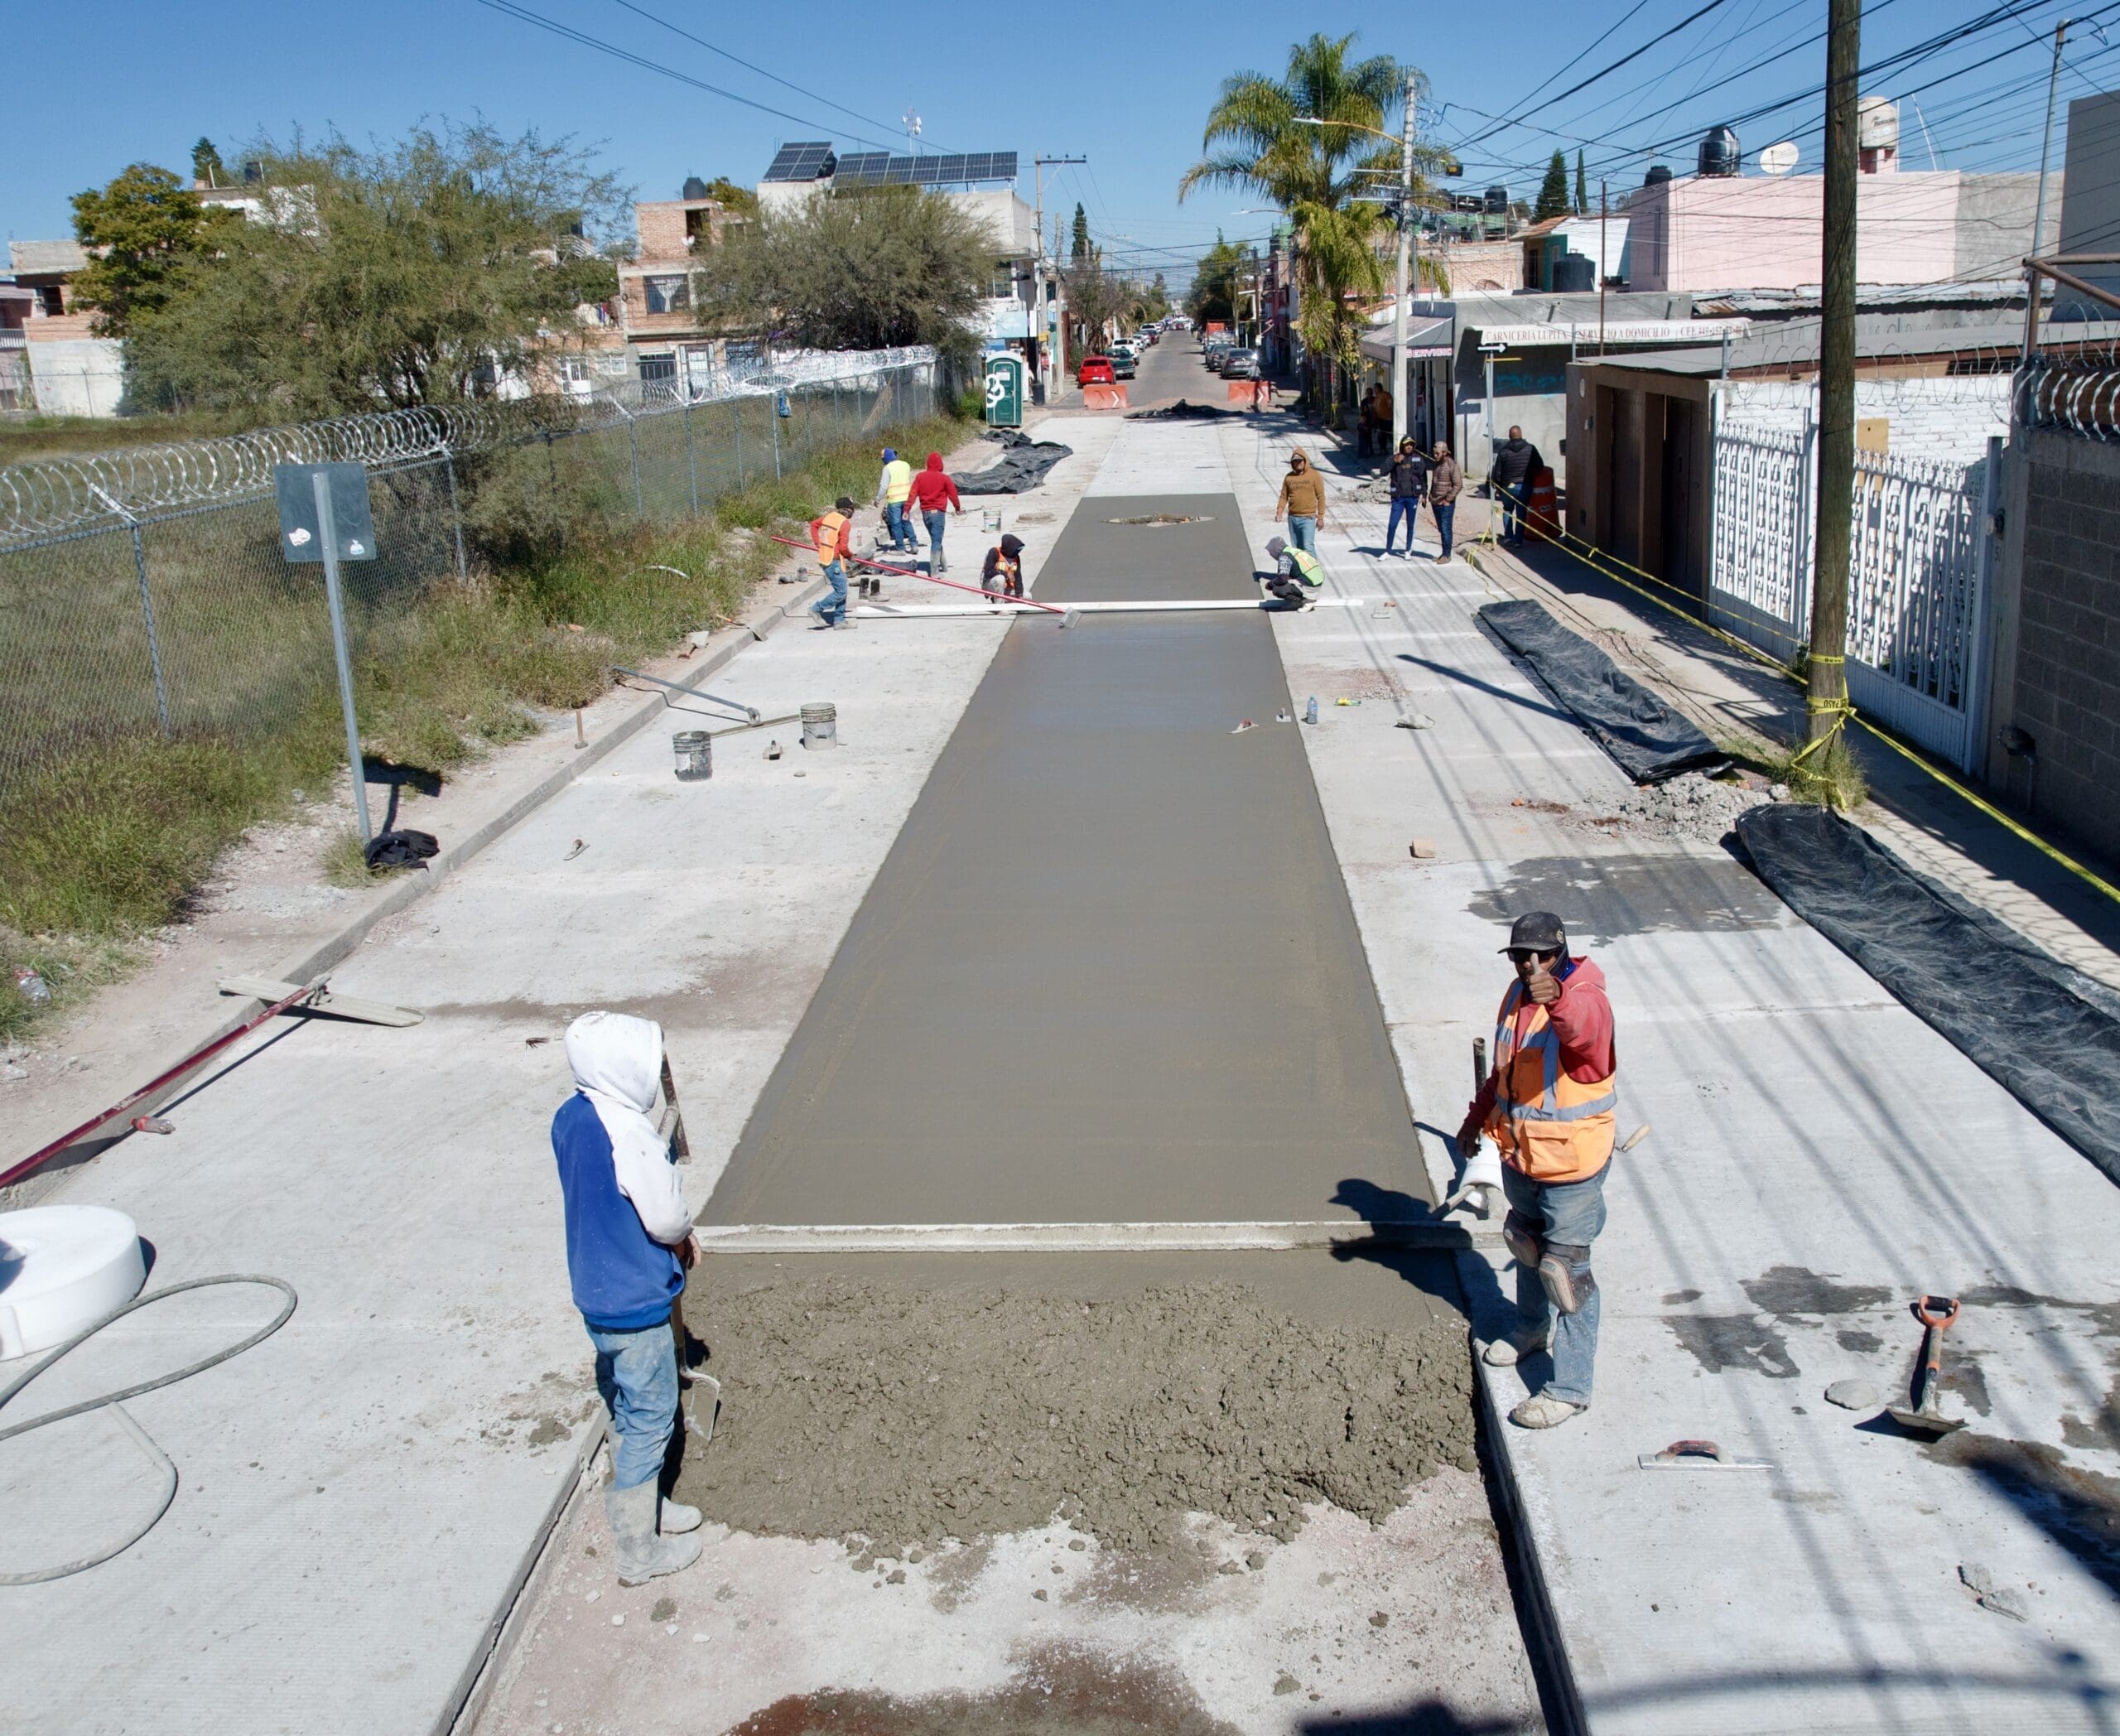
{"x":146,"y":80}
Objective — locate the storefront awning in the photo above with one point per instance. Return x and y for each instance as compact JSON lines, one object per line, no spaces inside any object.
{"x":1424,"y":337}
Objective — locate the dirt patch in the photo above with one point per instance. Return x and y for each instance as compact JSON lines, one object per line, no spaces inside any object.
{"x":906,"y":1418}
{"x":1788,"y":1291}
{"x":1361,"y":681}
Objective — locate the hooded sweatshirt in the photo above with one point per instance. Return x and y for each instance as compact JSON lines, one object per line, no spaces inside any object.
{"x":932,"y":490}
{"x":1005,"y":562}
{"x":626,"y":1207}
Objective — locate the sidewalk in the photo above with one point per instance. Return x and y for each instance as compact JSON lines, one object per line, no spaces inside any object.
{"x":1817,"y":1158}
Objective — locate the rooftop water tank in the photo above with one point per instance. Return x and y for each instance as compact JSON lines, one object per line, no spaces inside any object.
{"x":1719,"y":154}
{"x":1876,"y":135}
{"x":1658,"y":174}
{"x":1497,"y":201}
{"x":695,"y":188}
{"x":1575,"y":272}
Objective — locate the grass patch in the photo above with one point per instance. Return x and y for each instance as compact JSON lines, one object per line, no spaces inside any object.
{"x":1833,"y":776}
{"x":25,"y":439}
{"x":110,"y":840}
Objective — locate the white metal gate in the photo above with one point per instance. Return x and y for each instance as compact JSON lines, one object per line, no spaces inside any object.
{"x":1916,"y":617}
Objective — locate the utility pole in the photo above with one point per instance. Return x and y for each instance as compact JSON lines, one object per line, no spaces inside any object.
{"x":1408,"y":268}
{"x":1054,"y":356}
{"x":1828,"y":696}
{"x":2031,"y":279}
{"x":1604,"y":215}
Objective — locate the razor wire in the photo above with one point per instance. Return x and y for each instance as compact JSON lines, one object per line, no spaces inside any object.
{"x":2073,"y":385}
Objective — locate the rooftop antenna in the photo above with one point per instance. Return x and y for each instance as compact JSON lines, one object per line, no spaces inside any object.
{"x":912,"y":129}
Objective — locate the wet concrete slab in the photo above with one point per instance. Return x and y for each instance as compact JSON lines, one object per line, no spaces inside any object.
{"x":1109,"y":970}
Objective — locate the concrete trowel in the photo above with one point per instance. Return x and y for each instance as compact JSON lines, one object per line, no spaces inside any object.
{"x":1935,"y":1313}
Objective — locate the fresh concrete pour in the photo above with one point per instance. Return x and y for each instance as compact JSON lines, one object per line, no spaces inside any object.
{"x":1109,"y":970}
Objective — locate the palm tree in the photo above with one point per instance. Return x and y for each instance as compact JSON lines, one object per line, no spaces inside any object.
{"x":1264,"y":136}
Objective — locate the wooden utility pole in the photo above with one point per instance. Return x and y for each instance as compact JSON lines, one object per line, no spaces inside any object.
{"x":1828,"y":699}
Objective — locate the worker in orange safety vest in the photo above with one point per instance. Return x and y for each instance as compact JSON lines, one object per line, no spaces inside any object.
{"x":1549,"y":1103}
{"x":832,"y":534}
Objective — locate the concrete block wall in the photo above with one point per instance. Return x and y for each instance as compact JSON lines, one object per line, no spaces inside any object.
{"x":2058,"y":661}
{"x":1948,"y":418}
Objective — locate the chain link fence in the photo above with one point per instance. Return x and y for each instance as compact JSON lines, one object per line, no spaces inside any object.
{"x":143,"y":593}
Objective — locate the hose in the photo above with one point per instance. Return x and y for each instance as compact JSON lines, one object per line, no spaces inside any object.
{"x":154,"y":1454}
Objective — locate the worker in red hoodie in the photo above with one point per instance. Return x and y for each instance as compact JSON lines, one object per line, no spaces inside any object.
{"x":1549,"y":1104}
{"x":932,"y":493}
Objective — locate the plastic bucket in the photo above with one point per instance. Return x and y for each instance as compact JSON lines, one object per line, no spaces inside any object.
{"x":820,"y":726}
{"x":694,"y":752}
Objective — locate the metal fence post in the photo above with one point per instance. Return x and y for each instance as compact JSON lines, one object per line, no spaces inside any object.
{"x":809,"y":436}
{"x":691,"y":470}
{"x":327,"y":531}
{"x":736,"y":420}
{"x":633,"y":444}
{"x":772,"y":416}
{"x":455,"y":516}
{"x":146,"y":605}
{"x":1979,"y":626}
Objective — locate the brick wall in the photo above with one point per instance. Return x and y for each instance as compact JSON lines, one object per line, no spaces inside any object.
{"x":1949,"y":417}
{"x":1474,"y":266}
{"x":2060,"y":604}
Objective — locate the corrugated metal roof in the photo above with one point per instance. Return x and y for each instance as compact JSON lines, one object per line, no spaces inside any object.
{"x":46,"y":256}
{"x":1796,"y":344}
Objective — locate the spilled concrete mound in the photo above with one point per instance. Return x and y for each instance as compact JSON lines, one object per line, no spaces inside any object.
{"x":903,"y":1417}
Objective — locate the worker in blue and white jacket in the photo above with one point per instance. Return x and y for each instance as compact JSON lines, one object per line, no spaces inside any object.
{"x":629,"y":1242}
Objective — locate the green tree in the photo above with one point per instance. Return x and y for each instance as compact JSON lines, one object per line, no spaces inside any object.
{"x":1080,"y":250}
{"x":1553,"y":191}
{"x":140,"y":231}
{"x":856,"y":270}
{"x":1213,"y":293}
{"x":410,"y":273}
{"x":206,"y":164}
{"x":1156,"y":300}
{"x":742,"y":200}
{"x":1259,"y":139}
{"x":1581,"y":189}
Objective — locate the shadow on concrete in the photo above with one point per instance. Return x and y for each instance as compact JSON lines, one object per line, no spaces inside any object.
{"x":2078,"y":1509}
{"x":1430,"y":1718}
{"x":1459,"y":676}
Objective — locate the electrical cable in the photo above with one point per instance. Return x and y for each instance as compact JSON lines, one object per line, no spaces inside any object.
{"x":112,"y":1401}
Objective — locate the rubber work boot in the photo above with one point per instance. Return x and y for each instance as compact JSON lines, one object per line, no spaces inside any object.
{"x":1506,"y":1353}
{"x":643,"y":1555}
{"x":1544,"y":1411}
{"x":674,"y":1518}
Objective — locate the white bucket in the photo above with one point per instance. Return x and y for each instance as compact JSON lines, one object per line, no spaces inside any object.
{"x":820,"y":726}
{"x":62,"y":1269}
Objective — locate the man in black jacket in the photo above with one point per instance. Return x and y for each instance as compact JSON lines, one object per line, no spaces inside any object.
{"x":1517,"y":461}
{"x":1409,"y":479}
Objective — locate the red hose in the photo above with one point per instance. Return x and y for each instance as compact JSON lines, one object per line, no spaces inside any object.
{"x":914,"y":573}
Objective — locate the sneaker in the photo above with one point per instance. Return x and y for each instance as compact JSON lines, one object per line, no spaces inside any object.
{"x":843,"y":624}
{"x":1544,"y":1412}
{"x":1506,"y":1353}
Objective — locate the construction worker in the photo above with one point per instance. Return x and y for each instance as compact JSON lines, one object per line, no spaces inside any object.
{"x":1548,"y":1104}
{"x":629,"y":1243}
{"x":934,"y":496}
{"x":892,"y":488}
{"x":832,"y":536}
{"x":1003,"y":568}
{"x":1293,"y":569}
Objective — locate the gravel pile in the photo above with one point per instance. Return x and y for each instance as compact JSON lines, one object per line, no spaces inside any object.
{"x":1687,"y":806}
{"x":852,"y":1410}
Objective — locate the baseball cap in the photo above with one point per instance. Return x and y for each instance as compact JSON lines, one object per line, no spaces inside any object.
{"x":1536,"y":931}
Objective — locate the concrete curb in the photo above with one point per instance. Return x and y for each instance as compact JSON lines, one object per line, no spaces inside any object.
{"x":320,"y":957}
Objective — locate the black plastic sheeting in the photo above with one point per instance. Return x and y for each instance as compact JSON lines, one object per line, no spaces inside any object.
{"x":1182,"y":410}
{"x":1024,"y":463}
{"x":1650,"y":741}
{"x":2045,"y":1032}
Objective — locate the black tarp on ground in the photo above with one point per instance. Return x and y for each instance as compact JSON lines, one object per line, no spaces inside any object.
{"x":1182,"y":410}
{"x":1650,"y":741}
{"x":1023,"y":465}
{"x":2046,"y":1033}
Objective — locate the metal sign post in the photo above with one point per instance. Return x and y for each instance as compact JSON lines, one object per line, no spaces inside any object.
{"x":324,"y":517}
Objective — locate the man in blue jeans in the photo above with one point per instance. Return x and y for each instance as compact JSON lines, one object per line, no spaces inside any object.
{"x":1549,"y":1104}
{"x":628,"y":1245}
{"x":1516,"y":462}
{"x":1301,"y":502}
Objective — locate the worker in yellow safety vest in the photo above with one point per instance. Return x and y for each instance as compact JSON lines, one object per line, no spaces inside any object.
{"x":1549,"y":1103}
{"x":892,"y":488}
{"x":1293,"y":568}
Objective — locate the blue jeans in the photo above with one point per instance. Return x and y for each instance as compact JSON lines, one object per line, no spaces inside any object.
{"x":832,"y":609}
{"x":1445,"y":512}
{"x":1303,"y":532}
{"x":1515,"y":503}
{"x":936,"y":522}
{"x":1570,"y":1211}
{"x":899,"y":526}
{"x":1410,"y":510}
{"x":637,"y":1373}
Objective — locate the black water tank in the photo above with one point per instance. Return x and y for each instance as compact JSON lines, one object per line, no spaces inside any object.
{"x":1718,"y":153}
{"x":695,"y":188}
{"x":1497,"y":201}
{"x":1658,"y":174}
{"x":1575,"y":272}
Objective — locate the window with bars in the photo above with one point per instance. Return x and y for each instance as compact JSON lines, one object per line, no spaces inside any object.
{"x":668,"y":294}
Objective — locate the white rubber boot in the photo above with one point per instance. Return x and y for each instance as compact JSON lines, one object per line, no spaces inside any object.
{"x":643,"y":1555}
{"x":675,"y":1518}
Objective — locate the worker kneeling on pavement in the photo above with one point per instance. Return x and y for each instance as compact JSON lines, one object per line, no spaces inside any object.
{"x":629,"y":1242}
{"x":1293,"y":569}
{"x":1548,"y":1104}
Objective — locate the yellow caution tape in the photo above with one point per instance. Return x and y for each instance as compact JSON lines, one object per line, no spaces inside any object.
{"x":1574,"y":546}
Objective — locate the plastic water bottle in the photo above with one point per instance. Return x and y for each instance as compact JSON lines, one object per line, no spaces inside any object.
{"x":30,"y":986}
{"x":1310,"y":711}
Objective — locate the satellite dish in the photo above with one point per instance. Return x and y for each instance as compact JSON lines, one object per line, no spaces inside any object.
{"x":1778,"y":159}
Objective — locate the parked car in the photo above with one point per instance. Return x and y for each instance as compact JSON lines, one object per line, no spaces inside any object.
{"x":1240,"y":364}
{"x":1095,"y":370}
{"x":1123,"y":363}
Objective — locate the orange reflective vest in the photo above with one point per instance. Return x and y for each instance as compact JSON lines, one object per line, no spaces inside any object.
{"x":1547,"y":1126}
{"x":828,"y":531}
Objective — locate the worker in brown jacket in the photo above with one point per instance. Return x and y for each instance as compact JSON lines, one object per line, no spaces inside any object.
{"x":1446,"y":481}
{"x":1301,"y":502}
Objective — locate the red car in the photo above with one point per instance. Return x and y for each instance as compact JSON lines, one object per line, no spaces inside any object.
{"x":1095,"y":370}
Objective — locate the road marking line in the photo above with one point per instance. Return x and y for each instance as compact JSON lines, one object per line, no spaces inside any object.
{"x":1003,"y":1238}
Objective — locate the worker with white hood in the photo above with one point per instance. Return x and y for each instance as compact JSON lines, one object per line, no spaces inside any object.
{"x":628,"y":1244}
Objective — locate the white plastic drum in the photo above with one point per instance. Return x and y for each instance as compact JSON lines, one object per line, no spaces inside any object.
{"x":62,"y":1269}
